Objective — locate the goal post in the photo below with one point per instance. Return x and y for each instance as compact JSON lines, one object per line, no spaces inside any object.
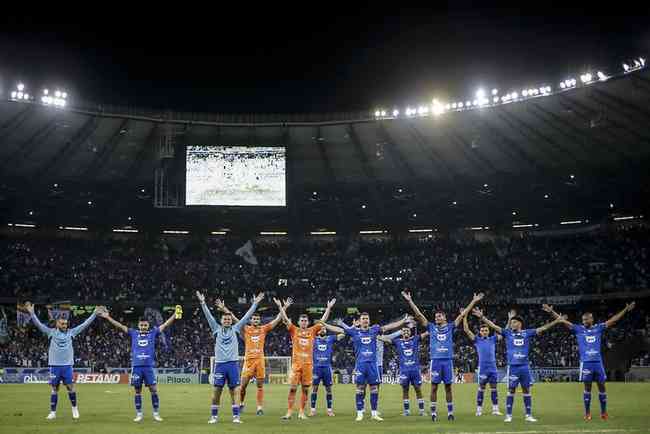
{"x":278,"y":369}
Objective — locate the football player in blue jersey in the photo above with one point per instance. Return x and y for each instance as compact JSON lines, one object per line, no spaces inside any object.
{"x":487,"y":364}
{"x":518,"y":348}
{"x":60,"y":356}
{"x":322,"y":370}
{"x":143,"y":360}
{"x":441,"y":349}
{"x":589,"y":337}
{"x":407,"y":346}
{"x":364,"y":341}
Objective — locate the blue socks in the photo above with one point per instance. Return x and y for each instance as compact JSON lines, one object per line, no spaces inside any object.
{"x":510,"y":399}
{"x":528,"y":403}
{"x":374,"y":400}
{"x":421,"y":405}
{"x":479,"y":398}
{"x":407,"y":406}
{"x":587,"y":398}
{"x":235,"y":411}
{"x":155,"y":402}
{"x":450,"y":408}
{"x":432,"y":406}
{"x":73,"y":398}
{"x":313,"y":400}
{"x":495,"y":397}
{"x":359,"y":400}
{"x":54,"y":398}
{"x":603,"y":402}
{"x":138,"y":403}
{"x":214,"y":410}
{"x":329,"y":401}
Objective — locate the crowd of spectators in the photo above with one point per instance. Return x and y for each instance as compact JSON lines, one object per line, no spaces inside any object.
{"x":441,"y":271}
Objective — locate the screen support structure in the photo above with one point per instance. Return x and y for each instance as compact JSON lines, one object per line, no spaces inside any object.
{"x":167,"y":191}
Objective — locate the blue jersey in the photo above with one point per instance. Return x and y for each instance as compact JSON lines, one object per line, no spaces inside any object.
{"x":486,"y":350}
{"x":441,"y":341}
{"x":589,"y":341}
{"x":143,"y":347}
{"x":518,"y":345}
{"x":364,"y":343}
{"x":61,"y":352}
{"x":409,"y":353}
{"x":323,"y":348}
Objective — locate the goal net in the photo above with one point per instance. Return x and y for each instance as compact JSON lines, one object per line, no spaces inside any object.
{"x":278,"y":369}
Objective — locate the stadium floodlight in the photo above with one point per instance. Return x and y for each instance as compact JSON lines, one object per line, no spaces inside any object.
{"x":57,"y":94}
{"x":377,"y":113}
{"x":546,"y":196}
{"x":322,"y":233}
{"x":495,"y":99}
{"x":454,"y":203}
{"x":13,"y":94}
{"x":480,"y":93}
{"x":90,"y":202}
{"x":383,"y":113}
{"x":363,"y":206}
{"x":514,"y":95}
{"x":571,"y":222}
{"x":524,"y":92}
{"x":395,"y":113}
{"x":45,"y":91}
{"x":26,"y":96}
{"x":485,"y":186}
{"x":572,"y":176}
{"x":417,"y":231}
{"x":495,"y":91}
{"x":601,"y":76}
{"x":642,"y":60}
{"x":562,"y":85}
{"x":64,"y":95}
{"x":128,"y":231}
{"x":414,"y":215}
{"x":549,"y":89}
{"x":468,"y":103}
{"x":586,"y":78}
{"x":460,"y":105}
{"x":611,"y":205}
{"x":19,"y":95}
{"x":447,"y":106}
{"x":637,"y":64}
{"x":454,"y":105}
{"x":626,"y":67}
{"x":20,"y":87}
{"x":423,"y":110}
{"x":514,"y":213}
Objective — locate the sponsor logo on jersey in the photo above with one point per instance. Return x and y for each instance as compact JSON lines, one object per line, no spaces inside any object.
{"x":322,"y":347}
{"x":143,"y":342}
{"x":590,"y":339}
{"x":592,"y":352}
{"x":408,"y":352}
{"x":366,"y":340}
{"x":518,"y":341}
{"x":518,"y":355}
{"x":255,"y":339}
{"x":303,"y":341}
{"x":441,"y":337}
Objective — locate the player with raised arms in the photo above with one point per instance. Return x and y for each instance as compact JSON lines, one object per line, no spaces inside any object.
{"x":60,"y":356}
{"x":407,"y":346}
{"x":441,"y":349}
{"x":364,"y":340}
{"x":518,"y":348}
{"x":589,"y":337}
{"x":143,"y":360}
{"x":322,"y":373}
{"x":302,"y":356}
{"x":487,"y":362}
{"x":254,"y":335}
{"x":226,"y":355}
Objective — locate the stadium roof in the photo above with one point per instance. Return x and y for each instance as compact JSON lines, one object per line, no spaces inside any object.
{"x":577,"y":154}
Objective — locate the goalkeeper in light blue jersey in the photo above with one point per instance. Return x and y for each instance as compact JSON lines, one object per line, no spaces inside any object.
{"x":61,"y":356}
{"x":226,"y":353}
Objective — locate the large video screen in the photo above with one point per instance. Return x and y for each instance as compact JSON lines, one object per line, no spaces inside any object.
{"x":235,"y":176}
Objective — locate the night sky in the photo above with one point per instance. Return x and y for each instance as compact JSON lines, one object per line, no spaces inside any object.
{"x":311,"y":57}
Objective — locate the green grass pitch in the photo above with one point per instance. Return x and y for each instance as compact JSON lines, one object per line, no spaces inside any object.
{"x":186,"y":408}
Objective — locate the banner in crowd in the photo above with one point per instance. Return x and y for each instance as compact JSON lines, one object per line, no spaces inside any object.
{"x":58,"y":310}
{"x":22,"y":316}
{"x":554,"y":300}
{"x":246,"y":253}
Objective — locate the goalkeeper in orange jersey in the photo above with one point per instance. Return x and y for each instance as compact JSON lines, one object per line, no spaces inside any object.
{"x":302,"y":360}
{"x":254,"y":336}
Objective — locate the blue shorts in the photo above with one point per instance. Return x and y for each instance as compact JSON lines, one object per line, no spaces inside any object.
{"x":442,"y":371}
{"x":592,"y":371}
{"x":142,"y":374}
{"x":411,"y":377}
{"x":519,"y":374}
{"x":367,"y":373}
{"x":487,"y":374}
{"x":226,"y":372}
{"x":322,"y":373}
{"x":61,"y":374}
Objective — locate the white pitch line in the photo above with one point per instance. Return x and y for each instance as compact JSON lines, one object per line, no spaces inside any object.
{"x":566,"y":431}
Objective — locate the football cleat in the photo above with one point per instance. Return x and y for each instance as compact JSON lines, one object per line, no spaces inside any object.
{"x":51,"y":416}
{"x":157,"y":417}
{"x":508,"y":418}
{"x":138,"y":417}
{"x":213,"y":419}
{"x":75,"y":413}
{"x":530,"y":418}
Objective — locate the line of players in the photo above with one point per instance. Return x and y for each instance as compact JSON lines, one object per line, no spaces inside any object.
{"x":312,"y":353}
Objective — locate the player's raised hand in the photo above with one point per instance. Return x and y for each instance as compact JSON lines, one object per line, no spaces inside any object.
{"x":512,"y":313}
{"x":288,"y":302}
{"x":331,"y":303}
{"x":29,"y":306}
{"x":200,"y":296}
{"x":221,"y":306}
{"x":278,"y":302}
{"x":564,"y":317}
{"x":477,"y":312}
{"x":478,"y":297}
{"x":258,"y":298}
{"x":630,"y":306}
{"x":547,"y":308}
{"x":407,"y":295}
